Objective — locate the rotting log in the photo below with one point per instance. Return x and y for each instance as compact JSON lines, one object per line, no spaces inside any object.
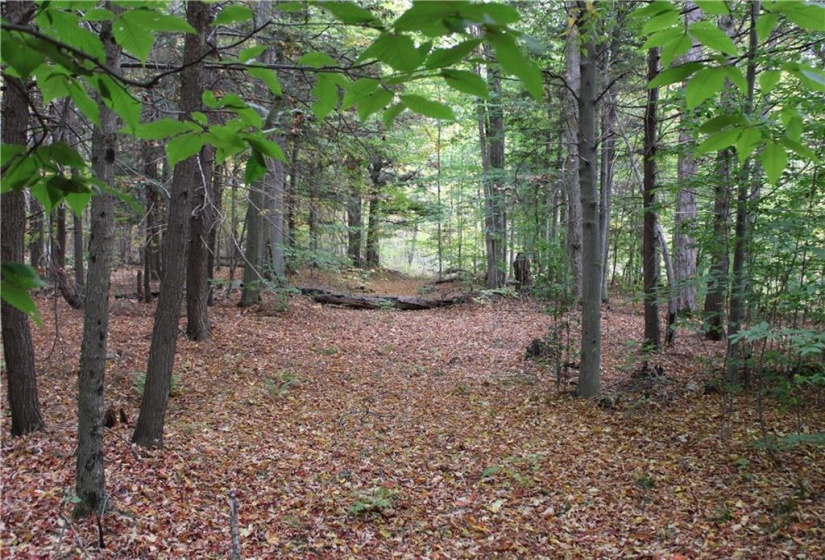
{"x":404,"y":303}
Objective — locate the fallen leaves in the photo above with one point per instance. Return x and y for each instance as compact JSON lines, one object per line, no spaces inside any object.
{"x":381,"y":434}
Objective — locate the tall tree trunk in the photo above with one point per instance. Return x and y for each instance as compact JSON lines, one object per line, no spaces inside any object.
{"x":354,"y":226}
{"x":197,"y":270}
{"x":275,"y":193}
{"x":151,"y":247}
{"x":606,"y":181}
{"x":292,"y":195}
{"x":36,"y":237}
{"x":378,"y":180}
{"x":253,"y":255}
{"x":90,"y":479}
{"x":572,"y":179}
{"x":214,"y":252}
{"x":589,"y":372}
{"x":77,"y":245}
{"x":650,"y":261}
{"x":495,"y":222}
{"x":715,"y":300}
{"x":60,"y":236}
{"x":684,"y":242}
{"x":17,"y":342}
{"x":149,"y":429}
{"x":739,"y":286}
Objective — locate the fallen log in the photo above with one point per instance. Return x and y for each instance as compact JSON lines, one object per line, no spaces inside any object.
{"x":404,"y":303}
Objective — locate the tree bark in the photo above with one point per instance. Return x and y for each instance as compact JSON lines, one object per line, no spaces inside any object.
{"x":149,"y":428}
{"x":740,"y":285}
{"x":151,"y":247}
{"x":354,"y":226}
{"x":17,"y":342}
{"x":78,"y":245}
{"x":197,"y":271}
{"x":90,"y":479}
{"x":376,"y":168}
{"x":650,"y":261}
{"x":589,"y":372}
{"x":495,"y":219}
{"x":572,"y":179}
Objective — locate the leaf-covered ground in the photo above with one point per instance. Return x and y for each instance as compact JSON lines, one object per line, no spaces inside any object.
{"x":384,"y":434}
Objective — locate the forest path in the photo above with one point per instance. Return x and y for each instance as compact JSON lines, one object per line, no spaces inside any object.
{"x":379,"y":434}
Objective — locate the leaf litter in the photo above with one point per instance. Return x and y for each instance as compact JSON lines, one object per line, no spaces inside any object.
{"x":383,"y":434}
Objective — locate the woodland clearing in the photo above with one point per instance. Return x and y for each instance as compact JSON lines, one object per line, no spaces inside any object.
{"x":412,"y":434}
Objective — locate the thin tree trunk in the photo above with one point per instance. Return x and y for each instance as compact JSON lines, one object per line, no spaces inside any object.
{"x":197,"y":270}
{"x":376,"y":167}
{"x":152,"y":233}
{"x":571,"y":167}
{"x":354,"y":226}
{"x":149,"y":429}
{"x":77,"y":242}
{"x":494,"y":197}
{"x":90,"y":479}
{"x":739,"y":288}
{"x":650,"y":263}
{"x":214,"y":252}
{"x":589,"y":372}
{"x":606,"y":182}
{"x":684,"y":243}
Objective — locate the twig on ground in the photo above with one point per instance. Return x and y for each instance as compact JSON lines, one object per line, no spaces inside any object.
{"x":126,"y":441}
{"x":233,"y":526}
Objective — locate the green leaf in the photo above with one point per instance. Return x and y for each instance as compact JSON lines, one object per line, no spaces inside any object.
{"x":800,"y":149}
{"x":326,"y":96}
{"x":133,"y":30}
{"x":675,"y":74}
{"x":675,"y":49}
{"x":747,"y":143}
{"x":17,"y":279}
{"x":735,"y":75}
{"x":719,"y":141}
{"x":661,"y":21}
{"x":78,"y":201}
{"x":765,"y":25}
{"x":391,"y":113}
{"x":233,"y":14}
{"x":164,"y":128}
{"x":663,"y":37}
{"x":316,"y":60}
{"x":120,"y":100}
{"x":268,"y":77}
{"x":358,"y":90}
{"x":83,"y":102}
{"x":398,"y":51}
{"x":349,"y":13}
{"x":654,"y":9}
{"x":19,"y":56}
{"x":373,"y":103}
{"x":768,"y":80}
{"x":22,"y":275}
{"x":715,"y":7}
{"x":514,"y":62}
{"x":500,"y":14}
{"x":98,"y":14}
{"x":255,"y":168}
{"x":428,"y":18}
{"x":67,"y":26}
{"x":807,"y":15}
{"x":64,"y":155}
{"x":263,"y":147}
{"x":252,"y":52}
{"x":226,"y":139}
{"x":812,"y":78}
{"x":183,"y":147}
{"x":440,"y":58}
{"x":713,"y":38}
{"x":46,"y":195}
{"x":721,"y":121}
{"x":467,"y":82}
{"x":774,"y":159}
{"x":428,"y":108}
{"x":706,"y":83}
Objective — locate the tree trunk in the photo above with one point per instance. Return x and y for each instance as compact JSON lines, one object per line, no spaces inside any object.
{"x":275,"y":192}
{"x":214,"y":252}
{"x":715,"y":300}
{"x":18,"y":351}
{"x":650,"y":261}
{"x":77,"y":242}
{"x":292,"y":194}
{"x":740,"y":281}
{"x":495,"y":223}
{"x":606,"y":182}
{"x":149,"y":429}
{"x":36,"y":258}
{"x":151,"y":247}
{"x":378,"y":180}
{"x":58,"y":219}
{"x":571,"y":167}
{"x":90,"y":480}
{"x":589,"y":372}
{"x":684,"y":242}
{"x":197,"y":270}
{"x":354,"y":227}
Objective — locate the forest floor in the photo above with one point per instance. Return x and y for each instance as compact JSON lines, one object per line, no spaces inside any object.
{"x":415,"y":434}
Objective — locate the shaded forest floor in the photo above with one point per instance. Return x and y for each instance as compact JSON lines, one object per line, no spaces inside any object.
{"x":426,"y":434}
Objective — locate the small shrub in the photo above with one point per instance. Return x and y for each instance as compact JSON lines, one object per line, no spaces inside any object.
{"x":377,"y":500}
{"x":139,"y":384}
{"x":280,"y":384}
